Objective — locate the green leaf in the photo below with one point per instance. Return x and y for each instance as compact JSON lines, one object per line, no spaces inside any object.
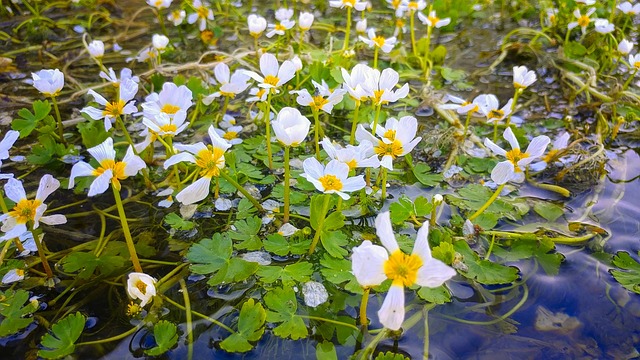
{"x":88,"y":263}
{"x":213,"y":256}
{"x":64,"y":334}
{"x":334,"y":242}
{"x":334,"y":221}
{"x":277,"y":244}
{"x":423,"y":174}
{"x":178,"y":223}
{"x":13,"y":310}
{"x":289,"y":274}
{"x":326,"y":351}
{"x":318,"y":212}
{"x":338,"y":271}
{"x":245,"y":209}
{"x":92,"y":133}
{"x":247,"y":231}
{"x":452,"y":75}
{"x":439,"y":295}
{"x":444,"y":252}
{"x":295,"y":197}
{"x":484,"y":271}
{"x":547,"y":210}
{"x":404,"y":209}
{"x":629,"y":273}
{"x":29,"y":121}
{"x":166,"y":336}
{"x":284,"y":305}
{"x":250,"y":328}
{"x":574,"y":49}
{"x":390,"y":356}
{"x":45,"y":151}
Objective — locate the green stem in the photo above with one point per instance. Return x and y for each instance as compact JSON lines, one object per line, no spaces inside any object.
{"x":557,"y":239}
{"x":59,"y":120}
{"x":161,"y":21}
{"x":347,"y":32}
{"x":363,"y":308}
{"x":114,"y":338}
{"x":187,"y":305}
{"x":310,"y":317}
{"x":516,"y":95}
{"x":493,"y":240}
{"x":316,"y":132}
{"x":244,"y":192}
{"x":375,"y":120}
{"x":223,"y":111}
{"x":286,"y":184}
{"x":43,"y":256}
{"x":488,"y":203}
{"x":466,"y":125}
{"x":316,"y":236}
{"x":414,"y":47}
{"x":427,"y":53}
{"x":354,"y":125}
{"x":495,"y":131}
{"x":383,"y":184}
{"x":5,"y":248}
{"x":376,"y":50}
{"x":125,"y":229}
{"x":267,"y":120}
{"x":630,"y":79}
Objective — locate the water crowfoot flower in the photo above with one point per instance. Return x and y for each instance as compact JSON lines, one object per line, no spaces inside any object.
{"x":395,"y":139}
{"x":203,"y":13}
{"x":142,"y":287}
{"x":332,"y":179}
{"x":372,"y":264}
{"x":523,"y":77}
{"x":583,"y":20}
{"x":557,"y":149}
{"x":512,"y":168}
{"x":123,"y":105}
{"x":49,"y":83}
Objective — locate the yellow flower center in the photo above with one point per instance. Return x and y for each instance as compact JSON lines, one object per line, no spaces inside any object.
{"x":175,"y":14}
{"x":230,"y":95}
{"x":413,"y":5}
{"x":584,"y":21}
{"x":271,"y":80}
{"x":170,"y":109}
{"x":211,"y":160}
{"x":114,"y":108}
{"x":203,"y":12}
{"x":517,"y":85}
{"x":351,"y":3}
{"x":377,"y":96}
{"x":117,"y":169}
{"x":260,"y":93}
{"x":25,"y":210}
{"x":169,"y":128}
{"x":394,"y":149}
{"x":402,"y":268}
{"x":230,"y":135}
{"x":514,"y":156}
{"x":390,"y":134}
{"x":141,"y":286}
{"x":550,"y":155}
{"x":495,"y":114}
{"x":206,"y":36}
{"x":158,"y":3}
{"x":400,"y":23}
{"x":379,"y":41}
{"x":433,"y":20}
{"x":636,"y":64}
{"x":280,"y":27}
{"x":352,"y":164}
{"x":330,"y":182}
{"x":20,"y":272}
{"x":396,"y":3}
{"x":318,"y":102}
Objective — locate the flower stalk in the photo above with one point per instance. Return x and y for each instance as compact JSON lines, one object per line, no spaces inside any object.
{"x":488,"y":203}
{"x":316,"y":237}
{"x":287,"y":175}
{"x":125,"y":229}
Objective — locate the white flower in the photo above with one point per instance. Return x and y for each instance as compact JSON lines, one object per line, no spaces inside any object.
{"x":7,"y":142}
{"x":159,"y":4}
{"x":160,"y":42}
{"x":523,"y":77}
{"x":48,"y":82}
{"x":634,"y":61}
{"x":141,"y":286}
{"x":415,"y":5}
{"x":361,"y":26}
{"x":290,"y":127}
{"x":177,"y":17}
{"x":274,"y":75}
{"x":552,"y":16}
{"x":297,"y":62}
{"x":96,"y":49}
{"x":257,"y":24}
{"x":305,"y":20}
{"x":257,"y":94}
{"x":230,"y":134}
{"x":172,"y":100}
{"x":210,"y":160}
{"x":280,"y":28}
{"x":287,"y":230}
{"x":334,"y":178}
{"x":379,"y":41}
{"x":629,"y":9}
{"x":625,"y":46}
{"x":203,"y":13}
{"x":359,"y":82}
{"x":511,"y":169}
{"x":125,"y":74}
{"x":460,"y":105}
{"x":283,"y":14}
{"x":109,"y":170}
{"x":230,"y":85}
{"x":14,"y":223}
{"x":395,"y":139}
{"x":12,"y":276}
{"x":163,"y":125}
{"x":558,"y":145}
{"x":358,"y":5}
{"x":582,"y":20}
{"x":586,"y":2}
{"x":603,"y":26}
{"x":323,"y":98}
{"x":359,"y":156}
{"x":490,"y":107}
{"x":372,"y":264}
{"x":124,"y":105}
{"x":433,"y":20}
{"x":381,"y":87}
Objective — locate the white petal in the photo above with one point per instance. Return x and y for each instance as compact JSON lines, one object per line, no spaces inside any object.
{"x":313,"y":168}
{"x":353,"y":184}
{"x":367,"y":263}
{"x":537,"y":146}
{"x":80,"y":168}
{"x":48,"y":184}
{"x":502,"y":172}
{"x":391,"y":314}
{"x":511,"y":138}
{"x":101,"y":183}
{"x":195,"y":192}
{"x":421,"y":246}
{"x":54,"y":219}
{"x":385,"y":232}
{"x":14,"y":190}
{"x":495,"y":148}
{"x":268,"y":65}
{"x":434,"y":273}
{"x":103,"y":151}
{"x":132,"y":163}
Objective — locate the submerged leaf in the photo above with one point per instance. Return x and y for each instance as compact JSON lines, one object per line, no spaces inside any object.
{"x":64,"y":334}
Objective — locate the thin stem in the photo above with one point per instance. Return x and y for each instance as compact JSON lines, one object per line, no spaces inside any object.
{"x":516,"y":95}
{"x":267,"y":120}
{"x":488,"y":203}
{"x":187,"y":305}
{"x":255,"y":45}
{"x":354,"y":125}
{"x":630,"y":79}
{"x":223,"y":111}
{"x":495,"y":131}
{"x":383,"y":184}
{"x":114,"y":338}
{"x":376,"y":50}
{"x":5,"y":248}
{"x":493,"y":240}
{"x":316,"y":237}
{"x":375,"y":120}
{"x":59,"y":120}
{"x":466,"y":125}
{"x":347,"y":32}
{"x":427,"y":52}
{"x":125,"y":229}
{"x":286,"y":184}
{"x":244,"y":192}
{"x":161,"y":21}
{"x":43,"y":257}
{"x":210,"y":319}
{"x":316,"y":132}
{"x":363,"y":308}
{"x":414,"y":47}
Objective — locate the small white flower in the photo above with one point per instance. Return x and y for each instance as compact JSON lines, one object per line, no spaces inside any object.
{"x":159,"y":4}
{"x":280,"y":28}
{"x":160,"y":42}
{"x":433,"y":20}
{"x":231,"y":134}
{"x":305,"y":20}
{"x":12,"y":276}
{"x":334,"y":178}
{"x":586,"y":2}
{"x":142,"y":287}
{"x":523,"y":77}
{"x":460,"y":105}
{"x":634,"y":61}
{"x":490,"y":107}
{"x":386,"y":45}
{"x":582,"y":20}
{"x":257,"y":24}
{"x":355,"y":83}
{"x":14,"y":223}
{"x":125,"y":74}
{"x":48,"y":82}
{"x":297,"y":62}
{"x":381,"y":86}
{"x":173,"y":101}
{"x":603,"y":26}
{"x":177,"y":17}
{"x":323,"y":98}
{"x":552,"y":16}
{"x":358,"y":5}
{"x":372,"y":264}
{"x":415,"y":5}
{"x":230,"y":85}
{"x":203,"y":13}
{"x":287,"y":230}
{"x":395,"y":139}
{"x":361,"y":26}
{"x":273,"y":75}
{"x":283,"y":14}
{"x":629,"y":9}
{"x":123,"y":105}
{"x":109,"y":170}
{"x":558,"y":145}
{"x":96,"y":49}
{"x":625,"y":46}
{"x":511,"y":169}
{"x":290,"y":127}
{"x":359,"y":156}
{"x":257,"y":94}
{"x":163,"y":125}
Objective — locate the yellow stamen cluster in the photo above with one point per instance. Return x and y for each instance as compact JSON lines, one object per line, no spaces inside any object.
{"x":433,"y":20}
{"x":390,"y":134}
{"x":584,"y":21}
{"x":351,"y":3}
{"x":514,"y":156}
{"x":230,"y":135}
{"x":271,"y":80}
{"x":114,"y":108}
{"x":170,"y":109}
{"x":551,"y":155}
{"x":280,"y":27}
{"x":25,"y":210}
{"x":318,"y":102}
{"x":402,"y":269}
{"x":379,"y":41}
{"x":330,"y":182}
{"x":352,"y":164}
{"x":377,"y":96}
{"x":203,"y":12}
{"x":211,"y":160}
{"x":169,"y":128}
{"x":393,"y":149}
{"x":117,"y":169}
{"x":495,"y":114}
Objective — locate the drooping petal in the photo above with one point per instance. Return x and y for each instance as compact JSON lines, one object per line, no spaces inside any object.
{"x":421,"y":246}
{"x":385,"y":232}
{"x":537,"y":146}
{"x":101,"y":183}
{"x":495,"y":148}
{"x":180,"y":157}
{"x":132,"y":162}
{"x":391,"y":314}
{"x":80,"y":168}
{"x":502,"y":172}
{"x":354,"y":183}
{"x":195,"y":192}
{"x":434,"y":273}
{"x":54,"y":219}
{"x":48,"y":184}
{"x":367,"y":263}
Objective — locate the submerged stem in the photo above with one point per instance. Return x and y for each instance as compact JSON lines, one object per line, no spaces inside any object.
{"x":242,"y":190}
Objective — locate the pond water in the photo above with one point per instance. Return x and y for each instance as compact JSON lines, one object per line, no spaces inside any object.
{"x":579,"y":312}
